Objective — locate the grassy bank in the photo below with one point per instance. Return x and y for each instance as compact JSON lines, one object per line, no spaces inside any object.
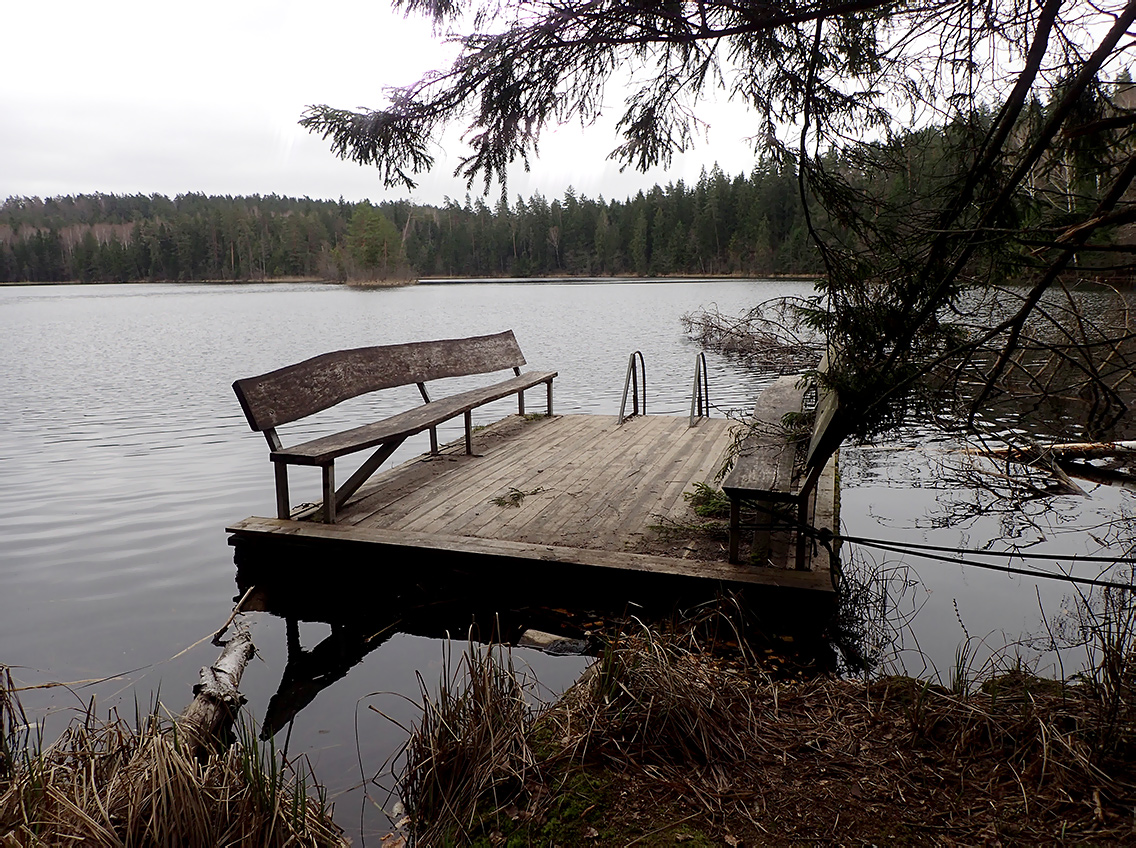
{"x":664,"y":742}
{"x":109,"y":782}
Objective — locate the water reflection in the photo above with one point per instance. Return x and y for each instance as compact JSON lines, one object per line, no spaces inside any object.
{"x":443,"y":599}
{"x":362,"y":624}
{"x":922,"y":488}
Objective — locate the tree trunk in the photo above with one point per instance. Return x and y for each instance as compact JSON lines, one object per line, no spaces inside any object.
{"x":209,"y":716}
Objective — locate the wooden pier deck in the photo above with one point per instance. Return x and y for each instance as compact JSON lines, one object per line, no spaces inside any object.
{"x":563,"y":493}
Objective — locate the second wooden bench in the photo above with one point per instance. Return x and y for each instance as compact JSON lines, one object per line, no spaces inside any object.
{"x":773,"y":470}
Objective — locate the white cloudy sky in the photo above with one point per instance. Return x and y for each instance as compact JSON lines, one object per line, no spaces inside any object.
{"x":128,"y":96}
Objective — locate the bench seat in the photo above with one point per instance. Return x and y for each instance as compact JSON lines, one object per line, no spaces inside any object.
{"x":765,"y":471}
{"x":411,"y":422}
{"x":764,"y":467}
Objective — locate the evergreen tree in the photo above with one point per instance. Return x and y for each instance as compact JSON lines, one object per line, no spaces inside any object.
{"x":374,"y":244}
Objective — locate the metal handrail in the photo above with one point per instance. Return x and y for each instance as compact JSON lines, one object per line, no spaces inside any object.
{"x":632,"y":381}
{"x":700,"y":395}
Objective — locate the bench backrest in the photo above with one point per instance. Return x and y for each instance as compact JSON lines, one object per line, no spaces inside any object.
{"x":297,"y":391}
{"x":826,"y":435}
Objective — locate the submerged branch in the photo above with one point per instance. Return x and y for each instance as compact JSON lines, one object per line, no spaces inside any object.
{"x":768,"y":336}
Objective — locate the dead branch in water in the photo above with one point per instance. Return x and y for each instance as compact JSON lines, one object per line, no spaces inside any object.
{"x":767,"y":336}
{"x":1066,"y":460}
{"x":1066,"y":450}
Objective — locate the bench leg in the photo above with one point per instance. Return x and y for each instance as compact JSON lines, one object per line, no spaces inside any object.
{"x":521,"y":402}
{"x":283,"y":507}
{"x":768,"y":521}
{"x":735,"y":529}
{"x":802,"y":539}
{"x":329,"y":493}
{"x":549,"y":398}
{"x":468,"y":433}
{"x":433,"y":441}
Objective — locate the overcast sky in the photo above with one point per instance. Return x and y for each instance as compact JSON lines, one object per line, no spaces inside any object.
{"x":128,"y":96}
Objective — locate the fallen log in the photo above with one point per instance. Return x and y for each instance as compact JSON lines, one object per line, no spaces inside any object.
{"x":1063,"y":450}
{"x":111,"y":783}
{"x":1094,"y":474}
{"x":210,"y":715}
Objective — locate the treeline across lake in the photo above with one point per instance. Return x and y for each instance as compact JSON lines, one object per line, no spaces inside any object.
{"x":747,"y":225}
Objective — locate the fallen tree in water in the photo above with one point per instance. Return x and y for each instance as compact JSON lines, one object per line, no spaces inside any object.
{"x":158,"y":781}
{"x":768,"y":336}
{"x":1062,"y":450}
{"x":208,"y":719}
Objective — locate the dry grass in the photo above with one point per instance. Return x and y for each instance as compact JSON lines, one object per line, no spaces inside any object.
{"x":108,"y":783}
{"x":470,"y":751}
{"x":1006,"y":759}
{"x":1020,"y":760}
{"x":514,"y":497}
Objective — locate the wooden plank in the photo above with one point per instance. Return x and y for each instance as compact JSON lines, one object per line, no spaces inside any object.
{"x":532,"y":466}
{"x":416,"y":543}
{"x":568,"y":477}
{"x":658,"y":473}
{"x":461,"y":508}
{"x":599,"y":479}
{"x":297,"y":391}
{"x":470,"y":489}
{"x":357,"y":506}
{"x":627,"y":509}
{"x":474,"y":513}
{"x":421,"y":481}
{"x":826,"y":436}
{"x":404,"y":424}
{"x":826,"y":512}
{"x":458,"y":501}
{"x":403,"y":489}
{"x":665,"y":499}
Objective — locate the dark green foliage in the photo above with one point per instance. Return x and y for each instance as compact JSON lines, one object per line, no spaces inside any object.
{"x":110,"y":238}
{"x":717,"y":226}
{"x":708,"y":502}
{"x":375,"y":244}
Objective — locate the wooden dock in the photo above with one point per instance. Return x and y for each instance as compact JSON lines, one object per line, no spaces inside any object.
{"x":554,"y":500}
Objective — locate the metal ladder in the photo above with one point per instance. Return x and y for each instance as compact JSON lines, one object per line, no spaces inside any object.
{"x":635,"y":385}
{"x":631,"y":381}
{"x":700,"y":395}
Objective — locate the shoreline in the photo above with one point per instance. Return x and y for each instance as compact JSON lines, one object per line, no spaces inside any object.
{"x":678,"y":278}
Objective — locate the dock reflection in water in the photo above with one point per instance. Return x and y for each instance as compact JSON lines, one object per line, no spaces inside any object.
{"x":366,"y":610}
{"x":367,"y":602}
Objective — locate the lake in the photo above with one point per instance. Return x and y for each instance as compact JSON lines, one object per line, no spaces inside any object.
{"x":124,"y":454}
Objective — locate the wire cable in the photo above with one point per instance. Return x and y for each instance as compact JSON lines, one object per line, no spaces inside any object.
{"x":1008,"y":569}
{"x":1010,"y":554}
{"x":939,"y":553}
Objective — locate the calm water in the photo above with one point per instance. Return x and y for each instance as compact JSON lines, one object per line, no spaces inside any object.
{"x":124,"y":455}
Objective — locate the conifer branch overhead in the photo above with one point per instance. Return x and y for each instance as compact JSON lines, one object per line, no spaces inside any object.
{"x":943,"y":151}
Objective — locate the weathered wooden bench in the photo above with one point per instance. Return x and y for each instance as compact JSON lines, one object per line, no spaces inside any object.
{"x":769,"y":472}
{"x":297,"y":391}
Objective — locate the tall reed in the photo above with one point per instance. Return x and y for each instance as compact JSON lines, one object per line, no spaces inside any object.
{"x":470,"y":752}
{"x":107,"y":783}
